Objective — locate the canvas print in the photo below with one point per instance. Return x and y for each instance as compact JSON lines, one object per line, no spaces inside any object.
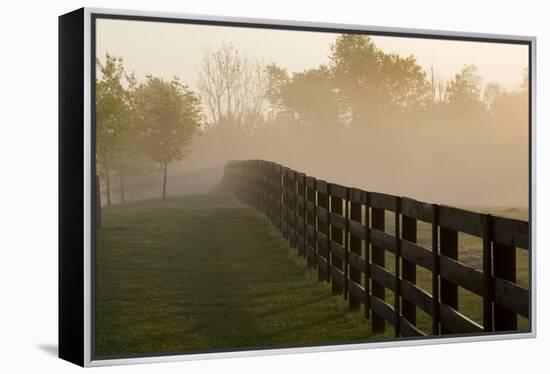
{"x":267,"y":187}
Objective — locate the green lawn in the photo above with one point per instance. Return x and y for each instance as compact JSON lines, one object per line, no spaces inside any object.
{"x":205,"y":272}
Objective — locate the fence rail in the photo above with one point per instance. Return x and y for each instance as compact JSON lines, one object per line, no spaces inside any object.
{"x":341,"y":232}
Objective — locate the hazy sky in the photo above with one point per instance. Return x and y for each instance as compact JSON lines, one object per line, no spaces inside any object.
{"x":168,"y":49}
{"x":468,"y":164}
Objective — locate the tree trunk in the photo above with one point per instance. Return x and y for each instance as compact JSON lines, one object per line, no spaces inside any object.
{"x":122,"y":197}
{"x":164,"y":181}
{"x":108,"y":186}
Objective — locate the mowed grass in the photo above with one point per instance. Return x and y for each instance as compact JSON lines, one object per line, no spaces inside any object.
{"x":205,"y":272}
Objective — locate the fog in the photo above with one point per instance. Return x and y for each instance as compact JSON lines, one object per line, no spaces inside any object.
{"x":465,"y":164}
{"x":444,"y":138}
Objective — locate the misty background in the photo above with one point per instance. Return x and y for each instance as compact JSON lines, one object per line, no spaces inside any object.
{"x":439,"y":121}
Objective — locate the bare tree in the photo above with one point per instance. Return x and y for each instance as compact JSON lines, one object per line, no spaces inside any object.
{"x":234,"y":92}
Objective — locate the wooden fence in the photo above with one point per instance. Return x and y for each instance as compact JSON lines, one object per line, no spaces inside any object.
{"x":341,"y":232}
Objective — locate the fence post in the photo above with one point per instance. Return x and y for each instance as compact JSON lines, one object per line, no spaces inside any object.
{"x":263,"y":188}
{"x":488,"y":286}
{"x":301,"y":213}
{"x":504,"y":267}
{"x":294,"y":210}
{"x":260,"y":186}
{"x":409,"y":233}
{"x":435,"y":270}
{"x":337,"y":236}
{"x":272,"y":194}
{"x":448,"y":247}
{"x":255,"y":184}
{"x":250,"y":184}
{"x":311,"y":242}
{"x":286,"y":208}
{"x":280,"y":194}
{"x":379,"y":258}
{"x":270,"y":191}
{"x":240,"y":181}
{"x":247,"y":185}
{"x":397,"y":267}
{"x":277,"y":195}
{"x":323,"y":228}
{"x":366,"y":201}
{"x":243,"y":182}
{"x":270,"y":172}
{"x":355,"y":247}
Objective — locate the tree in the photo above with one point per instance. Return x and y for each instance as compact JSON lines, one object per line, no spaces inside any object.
{"x":168,"y":117}
{"x":463,"y":93}
{"x":492,"y":94}
{"x":309,"y":96}
{"x":277,"y":79}
{"x":524,"y":85}
{"x":508,"y":107}
{"x":130,"y":161}
{"x":406,"y":87}
{"x":234,"y":91}
{"x":112,"y":117}
{"x":354,"y":62}
{"x":374,"y":85}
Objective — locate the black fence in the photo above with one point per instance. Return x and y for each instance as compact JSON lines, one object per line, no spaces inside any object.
{"x":341,"y":231}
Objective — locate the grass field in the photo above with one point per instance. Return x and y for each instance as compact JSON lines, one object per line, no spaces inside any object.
{"x":204,"y":272}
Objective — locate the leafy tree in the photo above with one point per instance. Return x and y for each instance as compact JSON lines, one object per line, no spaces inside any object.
{"x":374,"y":85}
{"x":168,"y":117}
{"x":463,"y":93}
{"x":406,"y":87}
{"x":112,"y":117}
{"x":492,"y":94}
{"x":524,"y":85}
{"x":354,"y":63}
{"x":131,"y":160}
{"x":277,"y":79}
{"x":508,"y":107}
{"x":309,"y":95}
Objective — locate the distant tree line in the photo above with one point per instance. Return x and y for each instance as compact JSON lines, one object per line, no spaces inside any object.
{"x":361,"y":87}
{"x":146,"y":126}
{"x":364,"y":86}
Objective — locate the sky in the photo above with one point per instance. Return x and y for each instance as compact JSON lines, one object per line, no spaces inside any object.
{"x":482,"y":163}
{"x":168,"y":49}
